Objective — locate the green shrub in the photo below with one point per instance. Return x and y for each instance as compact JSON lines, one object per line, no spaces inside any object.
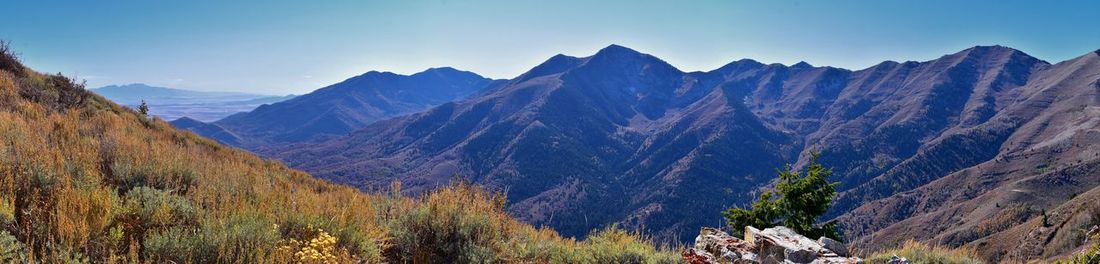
{"x":242,"y":238}
{"x":157,"y":208}
{"x":357,"y":242}
{"x":443,"y":233}
{"x":179,"y":245}
{"x":11,"y":250}
{"x":132,"y":174}
{"x":7,"y":212}
{"x":62,"y":255}
{"x":614,"y":245}
{"x":797,"y":201}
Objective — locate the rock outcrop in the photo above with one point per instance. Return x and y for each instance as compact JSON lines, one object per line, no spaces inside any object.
{"x":772,"y":245}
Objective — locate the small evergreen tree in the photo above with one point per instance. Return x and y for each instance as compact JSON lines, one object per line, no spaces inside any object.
{"x":796,"y":202}
{"x":143,"y":108}
{"x":1044,"y":219}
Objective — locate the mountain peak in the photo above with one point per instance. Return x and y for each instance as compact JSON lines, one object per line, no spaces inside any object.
{"x":995,"y":50}
{"x":739,"y":65}
{"x":619,"y":55}
{"x":617,"y":50}
{"x":996,"y":53}
{"x":441,"y":69}
{"x":802,"y":64}
{"x":556,"y":64}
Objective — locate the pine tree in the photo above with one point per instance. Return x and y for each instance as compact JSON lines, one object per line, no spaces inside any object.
{"x":796,"y":202}
{"x":143,"y":108}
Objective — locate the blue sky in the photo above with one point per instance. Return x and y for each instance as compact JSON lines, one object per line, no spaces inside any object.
{"x":279,"y":47}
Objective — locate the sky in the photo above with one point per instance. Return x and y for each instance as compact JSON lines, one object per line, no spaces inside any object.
{"x":282,"y":47}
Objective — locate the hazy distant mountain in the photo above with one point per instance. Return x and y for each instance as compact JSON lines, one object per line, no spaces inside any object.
{"x":623,"y":137}
{"x":349,"y":105}
{"x":171,"y":104}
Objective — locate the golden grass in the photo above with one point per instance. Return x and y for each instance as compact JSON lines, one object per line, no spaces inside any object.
{"x":90,"y":181}
{"x":1089,"y":256}
{"x":920,"y":253}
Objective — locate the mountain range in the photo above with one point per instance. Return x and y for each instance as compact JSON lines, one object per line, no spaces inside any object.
{"x":342,"y":107}
{"x":972,"y":148}
{"x":171,"y":103}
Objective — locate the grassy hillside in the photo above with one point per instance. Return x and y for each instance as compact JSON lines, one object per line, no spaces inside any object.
{"x":85,"y":180}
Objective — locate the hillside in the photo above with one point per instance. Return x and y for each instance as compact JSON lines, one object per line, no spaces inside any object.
{"x":349,"y":105}
{"x":85,"y":180}
{"x":1035,"y":155}
{"x":171,"y":104}
{"x":623,"y":137}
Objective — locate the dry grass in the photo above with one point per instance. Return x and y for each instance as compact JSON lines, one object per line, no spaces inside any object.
{"x":85,"y":180}
{"x":919,"y":253}
{"x":1089,"y":256}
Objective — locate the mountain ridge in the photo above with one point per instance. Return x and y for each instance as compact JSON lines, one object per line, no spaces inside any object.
{"x":350,"y":104}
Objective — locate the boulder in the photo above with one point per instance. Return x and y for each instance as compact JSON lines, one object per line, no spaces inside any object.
{"x":771,"y":245}
{"x":834,"y":246}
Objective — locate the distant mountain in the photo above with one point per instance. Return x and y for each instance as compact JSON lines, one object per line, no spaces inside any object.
{"x":211,"y":131}
{"x":171,"y":104}
{"x":349,"y":105}
{"x":623,"y":137}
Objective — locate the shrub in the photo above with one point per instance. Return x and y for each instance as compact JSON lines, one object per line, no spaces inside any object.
{"x":7,"y":212}
{"x":157,"y":208}
{"x":797,"y":201}
{"x":455,"y":224}
{"x":131,"y":173}
{"x":321,"y":248}
{"x":178,"y":245}
{"x":614,"y":245}
{"x":242,"y":237}
{"x":8,"y":60}
{"x":11,"y":250}
{"x":353,"y":241}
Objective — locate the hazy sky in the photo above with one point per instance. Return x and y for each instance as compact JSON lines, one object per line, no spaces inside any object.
{"x":279,"y":47}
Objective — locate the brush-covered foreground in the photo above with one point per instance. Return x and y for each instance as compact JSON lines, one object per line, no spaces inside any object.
{"x":85,"y":180}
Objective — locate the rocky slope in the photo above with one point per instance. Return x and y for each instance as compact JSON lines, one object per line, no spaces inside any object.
{"x":623,"y":137}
